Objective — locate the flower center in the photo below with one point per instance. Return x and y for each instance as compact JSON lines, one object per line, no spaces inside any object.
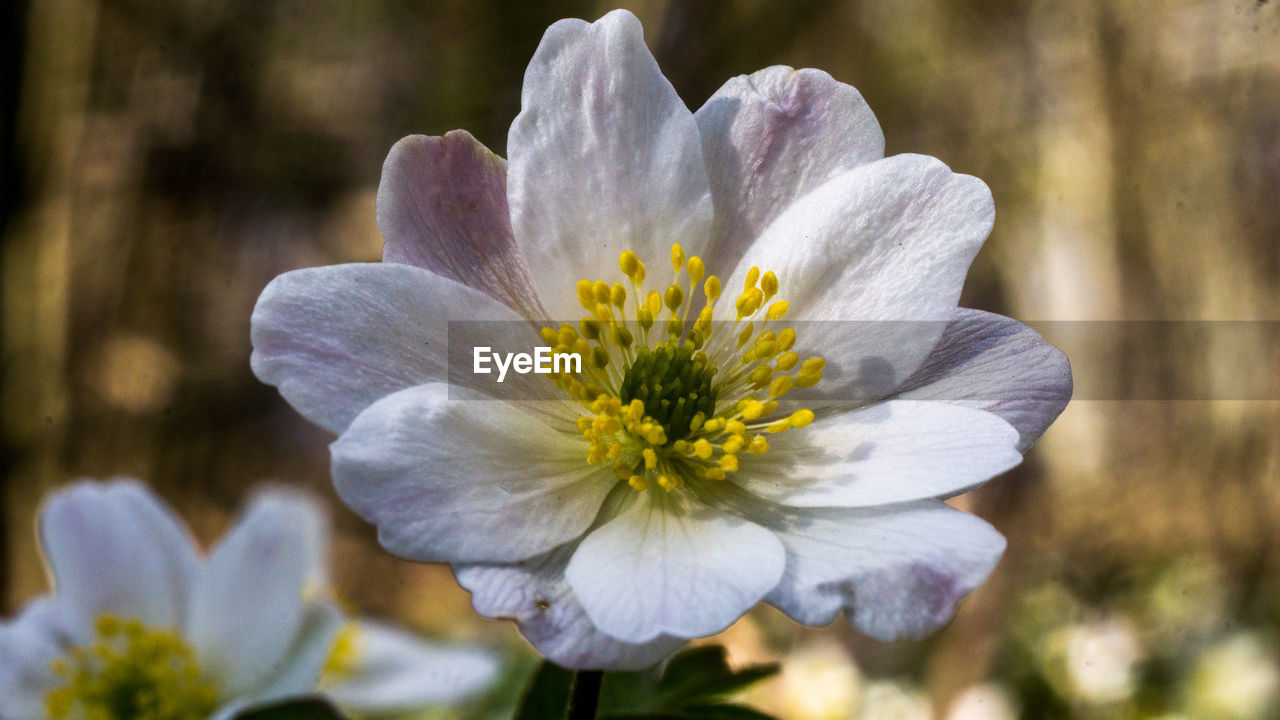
{"x":130,"y":672}
{"x":667,"y":396}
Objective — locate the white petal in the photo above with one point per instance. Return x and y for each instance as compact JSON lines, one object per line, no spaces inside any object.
{"x":886,"y":244}
{"x":299,"y":672}
{"x":114,"y":548}
{"x":442,"y":205}
{"x":248,"y":606}
{"x":885,"y":453}
{"x":449,"y":480}
{"x":670,"y":565}
{"x":335,"y":339}
{"x":604,"y":157}
{"x":397,"y":671}
{"x":772,"y":136}
{"x":535,"y":594}
{"x":897,"y":571}
{"x":29,"y":645}
{"x":999,"y":365}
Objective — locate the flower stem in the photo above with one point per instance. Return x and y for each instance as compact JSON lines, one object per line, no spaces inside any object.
{"x":585,"y":694}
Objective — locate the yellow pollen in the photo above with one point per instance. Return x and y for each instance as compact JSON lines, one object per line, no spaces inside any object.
{"x":130,"y":672}
{"x":690,"y":400}
{"x":344,"y":654}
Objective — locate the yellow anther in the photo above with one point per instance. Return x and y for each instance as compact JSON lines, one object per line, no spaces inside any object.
{"x":681,"y":446}
{"x":786,"y":339}
{"x":604,"y":313}
{"x":667,"y":482}
{"x":780,"y":386}
{"x":629,"y":262}
{"x":595,"y":452}
{"x":653,"y":301}
{"x":752,"y":276}
{"x":749,"y":302}
{"x":584,"y":423}
{"x":745,"y":334}
{"x":713,"y":425}
{"x":638,"y":278}
{"x":636,"y":406}
{"x":677,"y":257}
{"x":600,"y":358}
{"x":550,"y":335}
{"x":712,"y":288}
{"x":729,"y":462}
{"x":567,"y":335}
{"x":806,"y":379}
{"x":787,"y":360}
{"x":615,"y":451}
{"x":589,"y":327}
{"x":758,"y":445}
{"x":702,"y":448}
{"x":674,"y":297}
{"x":696,"y":269}
{"x":778,"y":309}
{"x":585,"y":295}
{"x":583,"y":348}
{"x":801,"y":418}
{"x":622,"y":336}
{"x":638,"y":483}
{"x":735,"y":427}
{"x":696,"y":422}
{"x":650,"y":458}
{"x":645,"y":318}
{"x":618,"y":295}
{"x":733,"y":445}
{"x":675,"y":328}
{"x":769,"y":407}
{"x":769,"y":284}
{"x":814,"y":364}
{"x":714,"y":473}
{"x":764,"y":349}
{"x":753,"y":409}
{"x":622,"y":471}
{"x":600,"y":289}
{"x":761,"y":376}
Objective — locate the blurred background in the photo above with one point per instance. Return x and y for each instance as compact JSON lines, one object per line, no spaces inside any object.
{"x":163,"y":161}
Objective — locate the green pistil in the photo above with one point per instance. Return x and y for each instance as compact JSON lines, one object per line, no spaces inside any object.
{"x":674,"y":383}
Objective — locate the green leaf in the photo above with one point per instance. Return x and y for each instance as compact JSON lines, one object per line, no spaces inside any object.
{"x":547,"y":697}
{"x":701,"y":674}
{"x":697,"y":712}
{"x":301,"y":709}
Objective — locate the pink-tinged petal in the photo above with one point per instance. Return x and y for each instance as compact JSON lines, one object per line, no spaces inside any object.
{"x":247,"y":608}
{"x":29,"y":645}
{"x":535,"y":594}
{"x":466,"y":480}
{"x":999,"y":365}
{"x":772,"y":136}
{"x":897,"y":572}
{"x":335,"y":339}
{"x":442,"y":206}
{"x":886,"y":453}
{"x":669,"y":565}
{"x":604,"y":157}
{"x":114,"y":548}
{"x":396,"y":671}
{"x":886,"y":244}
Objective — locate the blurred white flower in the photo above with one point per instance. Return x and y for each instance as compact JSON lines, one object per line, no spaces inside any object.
{"x":140,"y":627}
{"x":987,"y":701}
{"x":1095,"y":661}
{"x":890,"y":700}
{"x":673,"y":483}
{"x":818,"y":683}
{"x":1236,"y":680}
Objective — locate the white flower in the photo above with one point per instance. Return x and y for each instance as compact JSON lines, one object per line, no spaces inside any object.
{"x":612,"y":530}
{"x":140,"y":627}
{"x":1097,"y":661}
